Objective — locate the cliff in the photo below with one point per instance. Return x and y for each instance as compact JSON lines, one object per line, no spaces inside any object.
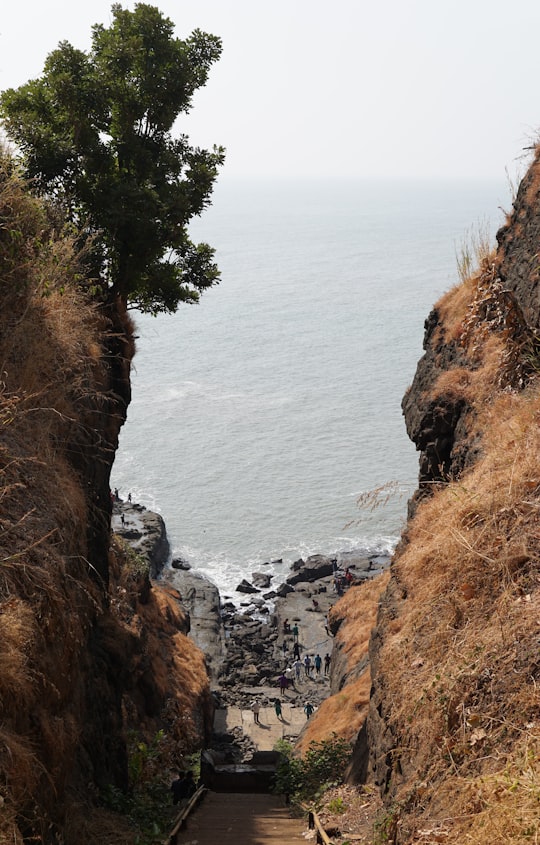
{"x":452,"y":731}
{"x":449,"y":733}
{"x":89,"y":649}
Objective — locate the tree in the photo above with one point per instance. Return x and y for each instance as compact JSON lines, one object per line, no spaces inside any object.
{"x":94,"y":133}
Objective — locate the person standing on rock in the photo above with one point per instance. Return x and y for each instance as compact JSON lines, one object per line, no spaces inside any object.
{"x":307,"y":665}
{"x":256,"y":709}
{"x":308,"y":709}
{"x":283,"y":683}
{"x":296,"y":651}
{"x":318,"y":663}
{"x":277,"y":708}
{"x":327,"y":660}
{"x":295,"y":632}
{"x":297,"y":666}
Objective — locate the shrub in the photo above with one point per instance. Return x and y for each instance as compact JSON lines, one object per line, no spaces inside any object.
{"x":303,"y":778}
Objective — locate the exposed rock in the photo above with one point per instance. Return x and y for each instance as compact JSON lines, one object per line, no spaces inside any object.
{"x":179,"y":563}
{"x":261,"y":579}
{"x":315,"y":567}
{"x":245,"y":587}
{"x":284,"y":590}
{"x":200,"y":598}
{"x":145,"y":532}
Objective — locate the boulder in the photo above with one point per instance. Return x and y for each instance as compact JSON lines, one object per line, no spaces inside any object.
{"x":245,"y":587}
{"x":261,"y":579}
{"x":315,"y":567}
{"x":179,"y":563}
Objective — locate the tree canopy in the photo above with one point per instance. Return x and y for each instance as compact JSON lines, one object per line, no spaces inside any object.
{"x":94,"y":135}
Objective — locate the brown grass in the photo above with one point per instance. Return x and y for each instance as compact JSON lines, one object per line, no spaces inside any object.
{"x":61,"y":634}
{"x":460,"y":654}
{"x":179,"y":681}
{"x":345,"y":711}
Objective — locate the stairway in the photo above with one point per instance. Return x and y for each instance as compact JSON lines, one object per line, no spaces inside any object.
{"x":242,"y":819}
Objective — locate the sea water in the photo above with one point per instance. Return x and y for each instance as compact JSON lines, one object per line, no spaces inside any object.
{"x":265,"y":423}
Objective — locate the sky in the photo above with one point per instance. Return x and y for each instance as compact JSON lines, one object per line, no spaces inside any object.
{"x":348,"y":89}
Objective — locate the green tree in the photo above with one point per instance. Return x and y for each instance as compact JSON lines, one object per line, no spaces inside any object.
{"x":94,"y":133}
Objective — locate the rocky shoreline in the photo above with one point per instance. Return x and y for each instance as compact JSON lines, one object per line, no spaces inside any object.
{"x":249,"y":644}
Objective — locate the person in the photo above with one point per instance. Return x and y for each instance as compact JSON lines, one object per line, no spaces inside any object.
{"x":277,"y":708}
{"x":122,"y":517}
{"x":315,"y":604}
{"x":349,"y":576}
{"x":295,"y":632}
{"x":307,"y":665}
{"x":290,"y":677}
{"x":326,"y":628}
{"x":283,"y":683}
{"x":297,"y":666}
{"x":286,"y":627}
{"x":296,"y":651}
{"x":129,"y":497}
{"x":190,"y":785}
{"x":318,"y":663}
{"x":178,"y":787}
{"x":327,"y":660}
{"x":308,"y":709}
{"x":284,"y":647}
{"x":256,"y":709}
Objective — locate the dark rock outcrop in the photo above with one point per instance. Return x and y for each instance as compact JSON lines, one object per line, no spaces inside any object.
{"x":145,"y":532}
{"x":245,"y":587}
{"x":315,"y":567}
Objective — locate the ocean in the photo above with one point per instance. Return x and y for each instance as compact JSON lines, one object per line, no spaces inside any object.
{"x":265,"y":423}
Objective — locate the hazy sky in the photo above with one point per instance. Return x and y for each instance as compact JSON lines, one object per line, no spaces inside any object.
{"x":391,"y":89}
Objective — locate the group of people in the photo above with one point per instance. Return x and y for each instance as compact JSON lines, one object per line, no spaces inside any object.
{"x":311,"y":665}
{"x":341,"y":580}
{"x":256,"y":710}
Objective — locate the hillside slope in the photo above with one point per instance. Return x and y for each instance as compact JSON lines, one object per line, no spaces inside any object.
{"x":88,"y":648}
{"x":451,"y":739}
{"x":453,"y":727}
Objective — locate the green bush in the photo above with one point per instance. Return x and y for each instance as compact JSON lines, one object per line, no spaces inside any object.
{"x":303,"y":778}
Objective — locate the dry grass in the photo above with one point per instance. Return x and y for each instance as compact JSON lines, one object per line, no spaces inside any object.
{"x":345,"y":711}
{"x":460,"y":654}
{"x":153,"y":628}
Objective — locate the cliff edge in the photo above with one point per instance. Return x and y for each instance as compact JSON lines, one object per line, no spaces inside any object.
{"x":453,"y":730}
{"x":90,"y":650}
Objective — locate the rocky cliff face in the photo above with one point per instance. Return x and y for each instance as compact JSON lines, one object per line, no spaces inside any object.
{"x":88,"y":648}
{"x":448,"y":623}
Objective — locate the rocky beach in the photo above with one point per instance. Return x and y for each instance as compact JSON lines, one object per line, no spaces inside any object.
{"x":253,"y":639}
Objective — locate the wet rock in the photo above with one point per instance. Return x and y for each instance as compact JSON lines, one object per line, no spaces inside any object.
{"x":245,"y":587}
{"x":284,"y":589}
{"x":261,"y":579}
{"x":180,"y":563}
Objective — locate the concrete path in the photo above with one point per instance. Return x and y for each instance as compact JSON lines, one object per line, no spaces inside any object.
{"x":242,"y":819}
{"x":266,"y":734}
